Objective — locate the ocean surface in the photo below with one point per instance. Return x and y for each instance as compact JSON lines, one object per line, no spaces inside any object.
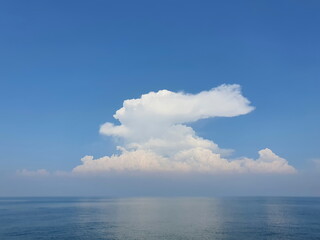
{"x":160,"y":218}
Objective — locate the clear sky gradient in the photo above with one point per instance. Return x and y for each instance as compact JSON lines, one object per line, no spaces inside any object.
{"x":67,"y":66}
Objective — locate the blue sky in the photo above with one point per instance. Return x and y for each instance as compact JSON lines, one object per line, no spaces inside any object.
{"x":67,"y":66}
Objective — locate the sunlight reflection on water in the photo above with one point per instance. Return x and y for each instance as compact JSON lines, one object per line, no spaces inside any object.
{"x":160,"y":218}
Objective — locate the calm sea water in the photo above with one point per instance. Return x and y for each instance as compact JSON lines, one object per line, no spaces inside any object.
{"x":160,"y":218}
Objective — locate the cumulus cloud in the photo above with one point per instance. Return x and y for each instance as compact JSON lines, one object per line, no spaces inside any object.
{"x":192,"y":160}
{"x":155,"y":136}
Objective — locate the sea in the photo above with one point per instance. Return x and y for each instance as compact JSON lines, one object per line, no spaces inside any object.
{"x":296,"y":218}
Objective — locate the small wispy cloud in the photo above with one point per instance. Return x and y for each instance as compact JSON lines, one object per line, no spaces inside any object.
{"x":316,"y":163}
{"x":29,"y":173}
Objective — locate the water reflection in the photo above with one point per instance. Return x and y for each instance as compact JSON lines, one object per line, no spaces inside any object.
{"x":160,"y":218}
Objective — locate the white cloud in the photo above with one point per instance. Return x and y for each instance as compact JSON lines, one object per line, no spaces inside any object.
{"x":192,"y":160}
{"x":29,"y":173}
{"x":155,"y":137}
{"x":148,"y":116}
